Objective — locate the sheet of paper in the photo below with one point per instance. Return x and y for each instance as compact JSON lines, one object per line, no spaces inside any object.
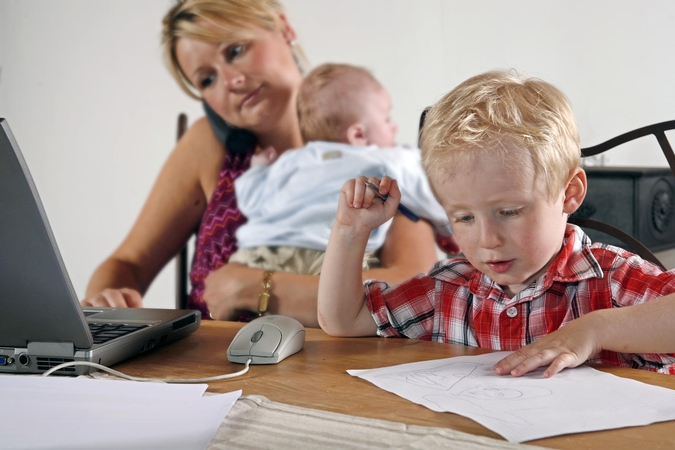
{"x":56,"y":413}
{"x":529,"y":407}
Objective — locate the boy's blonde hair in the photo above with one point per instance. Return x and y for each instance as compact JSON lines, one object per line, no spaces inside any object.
{"x":332,"y":98}
{"x":495,"y":110}
{"x":234,"y":17}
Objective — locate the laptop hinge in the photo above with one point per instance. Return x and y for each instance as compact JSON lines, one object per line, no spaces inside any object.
{"x":52,"y":348}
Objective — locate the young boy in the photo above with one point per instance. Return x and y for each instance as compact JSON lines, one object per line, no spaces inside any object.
{"x":344,"y":116}
{"x":502,"y":155}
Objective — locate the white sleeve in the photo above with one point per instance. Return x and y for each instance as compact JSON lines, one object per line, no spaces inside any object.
{"x":416,"y":191}
{"x":250,"y":188}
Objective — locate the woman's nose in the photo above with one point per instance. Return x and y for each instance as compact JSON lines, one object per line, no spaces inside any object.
{"x":232,"y":78}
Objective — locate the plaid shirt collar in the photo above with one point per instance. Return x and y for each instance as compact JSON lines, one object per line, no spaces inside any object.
{"x":574,"y":263}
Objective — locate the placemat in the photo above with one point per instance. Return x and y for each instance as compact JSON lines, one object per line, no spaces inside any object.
{"x":256,"y":422}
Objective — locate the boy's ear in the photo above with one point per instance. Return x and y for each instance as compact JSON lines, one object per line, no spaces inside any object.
{"x":356,"y":134}
{"x":575,"y":191}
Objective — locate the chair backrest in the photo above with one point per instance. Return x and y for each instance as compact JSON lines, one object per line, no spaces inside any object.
{"x":657,"y":130}
{"x":181,"y":258}
{"x":235,"y":140}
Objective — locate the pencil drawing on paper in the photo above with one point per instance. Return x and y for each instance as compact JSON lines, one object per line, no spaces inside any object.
{"x":476,"y":387}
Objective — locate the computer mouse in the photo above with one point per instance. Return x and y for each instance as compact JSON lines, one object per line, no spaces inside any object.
{"x":267,"y":340}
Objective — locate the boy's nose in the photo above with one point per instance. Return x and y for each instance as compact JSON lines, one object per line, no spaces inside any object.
{"x":489,"y":236}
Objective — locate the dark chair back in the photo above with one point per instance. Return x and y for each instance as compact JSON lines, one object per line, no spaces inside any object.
{"x":658,"y":131}
{"x":181,"y":258}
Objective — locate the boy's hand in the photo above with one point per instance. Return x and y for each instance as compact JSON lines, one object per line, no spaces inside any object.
{"x":570,"y":346}
{"x":360,"y":209}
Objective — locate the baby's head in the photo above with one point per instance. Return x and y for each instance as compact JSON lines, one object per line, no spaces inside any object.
{"x":345,"y":103}
{"x":502,"y":154}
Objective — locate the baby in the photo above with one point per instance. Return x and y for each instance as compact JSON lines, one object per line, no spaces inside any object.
{"x":344,"y":116}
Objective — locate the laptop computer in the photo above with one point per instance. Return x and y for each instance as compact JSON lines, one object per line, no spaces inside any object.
{"x":42,"y":323}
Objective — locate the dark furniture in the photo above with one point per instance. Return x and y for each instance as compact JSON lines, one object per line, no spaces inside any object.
{"x":639,"y":201}
{"x":632,"y":206}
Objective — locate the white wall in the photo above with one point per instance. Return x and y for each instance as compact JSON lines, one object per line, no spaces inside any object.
{"x":85,"y":91}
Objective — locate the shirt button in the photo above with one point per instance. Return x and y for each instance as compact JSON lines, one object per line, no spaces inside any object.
{"x":512,"y":312}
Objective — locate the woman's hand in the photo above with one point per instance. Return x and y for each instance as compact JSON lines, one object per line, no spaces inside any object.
{"x":231,"y":290}
{"x":119,"y":298}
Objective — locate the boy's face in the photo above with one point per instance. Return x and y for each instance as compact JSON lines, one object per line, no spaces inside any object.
{"x":380,"y":129}
{"x":503,"y":220}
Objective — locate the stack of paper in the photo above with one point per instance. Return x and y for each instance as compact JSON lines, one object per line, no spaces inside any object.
{"x":57,"y":413}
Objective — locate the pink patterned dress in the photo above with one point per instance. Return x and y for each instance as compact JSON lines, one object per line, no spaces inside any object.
{"x":216,"y":240}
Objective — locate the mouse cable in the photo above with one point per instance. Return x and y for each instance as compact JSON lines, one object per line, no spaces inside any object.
{"x":129,"y":377}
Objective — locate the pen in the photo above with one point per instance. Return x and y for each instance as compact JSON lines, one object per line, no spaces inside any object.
{"x":402,"y":209}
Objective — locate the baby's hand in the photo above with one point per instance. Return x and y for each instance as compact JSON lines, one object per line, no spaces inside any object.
{"x":360,"y":207}
{"x":264,"y":157}
{"x":569,"y":346}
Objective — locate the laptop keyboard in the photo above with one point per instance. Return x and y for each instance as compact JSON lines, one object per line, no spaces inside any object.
{"x":104,"y":332}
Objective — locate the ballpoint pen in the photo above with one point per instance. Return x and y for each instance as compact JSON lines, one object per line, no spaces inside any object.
{"x":402,"y":209}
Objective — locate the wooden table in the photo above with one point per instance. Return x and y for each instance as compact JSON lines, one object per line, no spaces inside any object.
{"x":316,"y":377}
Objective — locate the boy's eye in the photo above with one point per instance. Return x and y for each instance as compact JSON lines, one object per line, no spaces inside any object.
{"x":509,"y":212}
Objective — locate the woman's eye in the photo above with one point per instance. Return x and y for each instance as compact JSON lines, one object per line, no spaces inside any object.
{"x":206,"y":82}
{"x":234,"y":51}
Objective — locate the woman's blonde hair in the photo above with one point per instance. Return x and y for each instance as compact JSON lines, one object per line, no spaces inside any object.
{"x":498,"y":109}
{"x":234,"y":17}
{"x":331,"y":98}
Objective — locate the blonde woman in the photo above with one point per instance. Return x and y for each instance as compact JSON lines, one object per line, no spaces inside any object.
{"x":240,"y":57}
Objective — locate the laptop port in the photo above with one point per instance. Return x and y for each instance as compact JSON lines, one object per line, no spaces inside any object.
{"x":24,"y":359}
{"x":5,"y":360}
{"x":149,"y":345}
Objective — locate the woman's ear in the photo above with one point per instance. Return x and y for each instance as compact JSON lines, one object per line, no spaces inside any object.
{"x":356,"y":134}
{"x":575,"y":192}
{"x":287,"y":31}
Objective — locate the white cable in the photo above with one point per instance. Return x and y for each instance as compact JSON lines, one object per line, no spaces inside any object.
{"x":129,"y":377}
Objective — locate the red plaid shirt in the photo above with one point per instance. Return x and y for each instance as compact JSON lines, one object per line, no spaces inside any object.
{"x":457,"y":304}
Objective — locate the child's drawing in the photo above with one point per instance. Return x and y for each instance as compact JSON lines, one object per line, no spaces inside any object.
{"x":527,"y":407}
{"x":467,"y":383}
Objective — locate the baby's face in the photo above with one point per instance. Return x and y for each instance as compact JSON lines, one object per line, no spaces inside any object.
{"x":503,"y":219}
{"x":380,"y":129}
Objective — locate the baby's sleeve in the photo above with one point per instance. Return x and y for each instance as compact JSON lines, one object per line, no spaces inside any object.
{"x":249,"y":188}
{"x":416,"y":191}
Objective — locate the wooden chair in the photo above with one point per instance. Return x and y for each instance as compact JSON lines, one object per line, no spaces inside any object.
{"x":236,"y":140}
{"x":657,"y":130}
{"x":181,"y":258}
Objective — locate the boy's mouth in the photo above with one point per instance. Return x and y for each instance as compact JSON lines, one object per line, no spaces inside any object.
{"x":500,"y":266}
